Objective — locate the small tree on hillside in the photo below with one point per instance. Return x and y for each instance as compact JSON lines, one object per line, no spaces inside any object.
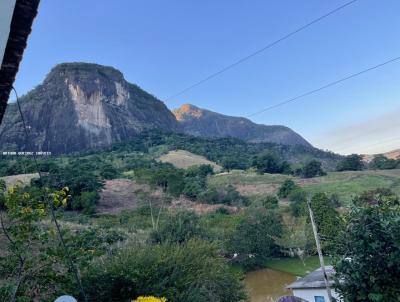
{"x":270,"y":163}
{"x":353,"y":162}
{"x":381,"y":162}
{"x":326,"y":219}
{"x":312,"y":169}
{"x":286,"y":188}
{"x":256,"y":236}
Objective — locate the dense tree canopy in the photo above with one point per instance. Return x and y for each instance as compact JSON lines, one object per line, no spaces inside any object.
{"x":270,"y":163}
{"x":312,"y":169}
{"x":326,"y":219}
{"x":286,"y":188}
{"x":381,"y":162}
{"x":353,"y":162}
{"x":255,"y":238}
{"x":368,"y":256}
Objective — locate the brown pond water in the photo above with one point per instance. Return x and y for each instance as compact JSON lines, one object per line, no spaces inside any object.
{"x":267,"y":285}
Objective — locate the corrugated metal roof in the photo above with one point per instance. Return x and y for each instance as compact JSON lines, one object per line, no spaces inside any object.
{"x":314,"y":279}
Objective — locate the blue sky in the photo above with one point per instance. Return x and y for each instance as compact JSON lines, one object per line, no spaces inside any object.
{"x":165,"y":46}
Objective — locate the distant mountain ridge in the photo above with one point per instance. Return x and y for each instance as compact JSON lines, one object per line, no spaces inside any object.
{"x":80,"y":106}
{"x":202,"y":122}
{"x":394,"y":154}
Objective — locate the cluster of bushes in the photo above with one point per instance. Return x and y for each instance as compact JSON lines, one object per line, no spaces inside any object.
{"x":323,"y":206}
{"x":270,"y":163}
{"x":367,"y":257}
{"x":311,"y":169}
{"x":255,"y":238}
{"x":84,"y":185}
{"x":226,"y":195}
{"x":354,"y":162}
{"x":251,"y":241}
{"x":381,"y":162}
{"x":191,"y":271}
{"x":298,"y":197}
{"x":191,"y":182}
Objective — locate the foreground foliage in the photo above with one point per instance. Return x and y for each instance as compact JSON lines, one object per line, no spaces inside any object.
{"x":368,"y":261}
{"x":181,"y":273}
{"x":30,"y":265}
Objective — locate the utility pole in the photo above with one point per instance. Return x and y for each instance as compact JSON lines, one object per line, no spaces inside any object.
{"x":321,"y":257}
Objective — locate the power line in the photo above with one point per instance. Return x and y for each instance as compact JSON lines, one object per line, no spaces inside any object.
{"x":53,"y":215}
{"x":270,"y":45}
{"x":324,"y":86}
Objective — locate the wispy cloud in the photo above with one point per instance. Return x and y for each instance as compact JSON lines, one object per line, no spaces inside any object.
{"x":376,"y":135}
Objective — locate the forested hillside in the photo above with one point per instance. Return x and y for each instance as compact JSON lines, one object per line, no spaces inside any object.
{"x":128,"y":216}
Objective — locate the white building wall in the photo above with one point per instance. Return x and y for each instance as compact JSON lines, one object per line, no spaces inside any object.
{"x":310,"y":293}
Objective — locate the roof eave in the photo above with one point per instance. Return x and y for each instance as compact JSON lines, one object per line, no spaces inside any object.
{"x":24,"y":13}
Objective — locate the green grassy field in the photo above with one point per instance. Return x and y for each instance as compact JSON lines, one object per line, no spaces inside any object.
{"x":295,"y":266}
{"x":348,"y":184}
{"x":345,"y":184}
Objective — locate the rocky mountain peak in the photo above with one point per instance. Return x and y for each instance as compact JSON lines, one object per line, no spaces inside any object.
{"x":206,"y":123}
{"x":187,"y":111}
{"x":83,"y":105}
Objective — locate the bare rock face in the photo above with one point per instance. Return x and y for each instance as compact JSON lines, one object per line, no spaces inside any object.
{"x":81,"y":106}
{"x":202,"y":122}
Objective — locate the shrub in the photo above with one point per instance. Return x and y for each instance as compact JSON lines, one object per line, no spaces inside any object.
{"x":270,"y":163}
{"x":255,"y":238}
{"x":222,"y":210}
{"x":351,"y":162}
{"x":326,"y":219}
{"x":381,"y":162}
{"x":270,"y":201}
{"x":312,"y":169}
{"x":368,"y":259}
{"x":108,"y":172}
{"x":86,"y":202}
{"x":179,"y":228}
{"x":267,"y":201}
{"x":30,"y":257}
{"x":378,"y":196}
{"x":201,"y":170}
{"x":193,"y":189}
{"x":171,"y":180}
{"x":335,"y":200}
{"x":287,"y":186}
{"x":211,"y":195}
{"x":226,"y":195}
{"x":180,"y":273}
{"x":298,"y":198}
{"x":79,"y":179}
{"x":195,"y":180}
